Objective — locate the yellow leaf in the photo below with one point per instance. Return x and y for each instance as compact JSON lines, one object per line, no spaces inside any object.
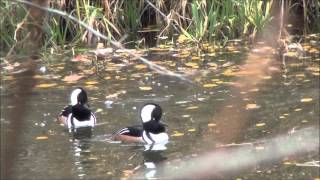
{"x":141,"y":66}
{"x":192,"y":130}
{"x":91,"y":82}
{"x":260,"y":124}
{"x":41,"y":137}
{"x":282,"y":117}
{"x":145,"y":88}
{"x":209,"y":85}
{"x":177,"y":134}
{"x":46,"y":85}
{"x":193,"y":65}
{"x":252,"y":106}
{"x":229,"y":72}
{"x":195,"y":57}
{"x":212,"y":125}
{"x":306,"y":100}
{"x":266,"y":77}
{"x":192,"y":107}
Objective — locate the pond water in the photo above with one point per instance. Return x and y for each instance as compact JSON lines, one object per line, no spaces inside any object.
{"x":281,"y":101}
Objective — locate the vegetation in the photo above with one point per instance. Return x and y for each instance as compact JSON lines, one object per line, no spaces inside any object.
{"x":197,"y":20}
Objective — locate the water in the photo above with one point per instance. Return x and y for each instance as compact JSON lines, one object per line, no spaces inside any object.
{"x":197,"y":116}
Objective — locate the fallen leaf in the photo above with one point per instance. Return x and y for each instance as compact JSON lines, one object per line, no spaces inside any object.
{"x":177,"y":134}
{"x":46,"y":85}
{"x":72,"y":78}
{"x":145,"y":88}
{"x":192,"y":107}
{"x":41,"y":137}
{"x":260,"y":124}
{"x":91,"y":82}
{"x":141,"y":66}
{"x":306,"y":100}
{"x":212,"y":125}
{"x":209,"y":85}
{"x":252,"y":106}
{"x":192,"y":130}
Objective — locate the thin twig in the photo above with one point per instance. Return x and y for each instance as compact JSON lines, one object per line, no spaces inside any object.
{"x":155,"y":67}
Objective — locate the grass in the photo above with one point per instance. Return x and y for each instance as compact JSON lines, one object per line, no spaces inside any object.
{"x":199,"y":20}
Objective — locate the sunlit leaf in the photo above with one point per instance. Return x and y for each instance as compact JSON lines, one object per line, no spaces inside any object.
{"x":72,"y":78}
{"x":260,"y":124}
{"x":195,"y":58}
{"x":306,"y":100}
{"x":229,"y":72}
{"x":145,"y":88}
{"x":193,"y":65}
{"x":91,"y":82}
{"x":209,"y":85}
{"x":192,"y":130}
{"x":99,"y":110}
{"x":298,"y":109}
{"x":186,"y":115}
{"x":177,"y":134}
{"x":212,"y":125}
{"x":192,"y":107}
{"x":41,"y":137}
{"x":141,"y":66}
{"x":266,"y":77}
{"x":304,"y":121}
{"x":46,"y":85}
{"x":282,"y":117}
{"x":252,"y":106}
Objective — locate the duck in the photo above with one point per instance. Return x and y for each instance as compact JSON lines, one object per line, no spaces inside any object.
{"x":151,"y":131}
{"x":77,"y":114}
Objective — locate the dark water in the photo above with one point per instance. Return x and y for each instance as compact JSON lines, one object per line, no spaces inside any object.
{"x":190,"y":112}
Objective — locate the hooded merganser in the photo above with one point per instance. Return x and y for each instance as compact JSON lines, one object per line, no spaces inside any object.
{"x":77,"y":114}
{"x":152,"y":130}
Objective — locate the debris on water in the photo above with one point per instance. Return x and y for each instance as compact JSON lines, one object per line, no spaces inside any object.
{"x":108,"y":104}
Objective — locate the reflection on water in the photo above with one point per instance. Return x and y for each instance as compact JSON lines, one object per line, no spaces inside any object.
{"x":201,"y":116}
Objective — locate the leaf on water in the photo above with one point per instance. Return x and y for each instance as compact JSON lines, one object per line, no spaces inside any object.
{"x":195,"y":58}
{"x":192,"y":107}
{"x":209,"y":85}
{"x":266,"y":77}
{"x":46,"y":85}
{"x":306,"y":100}
{"x":91,"y":82}
{"x":252,"y":106}
{"x":177,"y":134}
{"x":212,"y":125}
{"x":192,"y":65}
{"x":192,"y":130}
{"x":259,"y":147}
{"x":98,"y":110}
{"x":72,"y":78}
{"x":229,"y":72}
{"x":141,"y":66}
{"x":145,"y":88}
{"x":41,"y":137}
{"x":260,"y":124}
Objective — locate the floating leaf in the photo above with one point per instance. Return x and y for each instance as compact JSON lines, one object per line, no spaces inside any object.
{"x":91,"y":82}
{"x":260,"y":124}
{"x":252,"y":106}
{"x":141,"y":66}
{"x":46,"y":85}
{"x":72,"y":78}
{"x":145,"y":88}
{"x":192,"y":107}
{"x":209,"y":85}
{"x":177,"y":134}
{"x":306,"y":100}
{"x":192,"y":130}
{"x":41,"y":137}
{"x":212,"y":125}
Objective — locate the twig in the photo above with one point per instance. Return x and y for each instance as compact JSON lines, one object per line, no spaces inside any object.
{"x":155,"y":67}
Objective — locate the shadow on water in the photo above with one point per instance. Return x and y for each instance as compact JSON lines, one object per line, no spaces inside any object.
{"x":229,"y":108}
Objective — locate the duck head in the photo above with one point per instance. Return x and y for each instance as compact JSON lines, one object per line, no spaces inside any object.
{"x":78,"y":96}
{"x":150,"y":116}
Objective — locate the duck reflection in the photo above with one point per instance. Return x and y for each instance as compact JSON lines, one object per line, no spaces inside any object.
{"x":153,"y":155}
{"x":81,"y":146}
